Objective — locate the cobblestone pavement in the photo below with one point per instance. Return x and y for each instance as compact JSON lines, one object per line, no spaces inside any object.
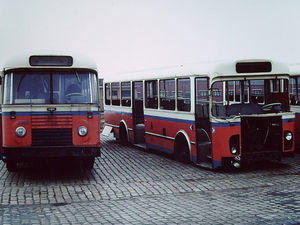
{"x":131,"y":186}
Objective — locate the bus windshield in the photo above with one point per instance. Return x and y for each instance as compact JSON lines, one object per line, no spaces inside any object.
{"x":244,"y":97}
{"x":57,"y":87}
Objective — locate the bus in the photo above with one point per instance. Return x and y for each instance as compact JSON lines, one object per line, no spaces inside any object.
{"x":295,"y":100}
{"x":49,"y":109}
{"x":211,"y":114}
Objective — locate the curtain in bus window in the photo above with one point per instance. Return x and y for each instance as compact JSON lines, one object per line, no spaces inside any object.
{"x":184,"y":94}
{"x":167,"y":94}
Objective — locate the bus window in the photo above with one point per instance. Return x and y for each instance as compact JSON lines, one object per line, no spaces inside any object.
{"x":151,"y":94}
{"x":107,"y":94}
{"x":126,"y":93}
{"x":28,"y":88}
{"x":184,"y":94}
{"x":202,"y":106}
{"x":115,"y":93}
{"x":167,"y":94}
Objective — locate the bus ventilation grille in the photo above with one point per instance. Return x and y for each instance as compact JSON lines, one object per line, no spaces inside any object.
{"x":51,"y":137}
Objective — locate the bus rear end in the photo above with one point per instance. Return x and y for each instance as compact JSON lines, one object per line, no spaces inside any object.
{"x":50,"y":109}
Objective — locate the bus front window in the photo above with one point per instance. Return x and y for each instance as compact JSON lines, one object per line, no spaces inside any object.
{"x":232,"y":98}
{"x":50,"y":88}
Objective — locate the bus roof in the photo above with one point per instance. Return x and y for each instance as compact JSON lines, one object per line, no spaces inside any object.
{"x":294,"y":69}
{"x":23,"y":60}
{"x":213,"y":69}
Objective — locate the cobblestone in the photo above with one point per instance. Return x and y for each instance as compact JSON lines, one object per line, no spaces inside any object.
{"x":132,"y":186}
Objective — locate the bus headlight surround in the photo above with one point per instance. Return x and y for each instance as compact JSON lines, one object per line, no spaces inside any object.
{"x":20,"y":132}
{"x":82,"y":131}
{"x":288,"y":135}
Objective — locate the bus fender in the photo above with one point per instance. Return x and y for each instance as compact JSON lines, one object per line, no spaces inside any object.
{"x":123,"y":132}
{"x":181,"y":136}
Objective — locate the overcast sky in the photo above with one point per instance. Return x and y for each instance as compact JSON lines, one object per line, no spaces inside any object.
{"x":125,"y":35}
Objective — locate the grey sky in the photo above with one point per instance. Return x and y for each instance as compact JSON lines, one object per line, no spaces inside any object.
{"x":124,"y":35}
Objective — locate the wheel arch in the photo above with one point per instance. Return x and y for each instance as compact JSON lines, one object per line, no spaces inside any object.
{"x":123,"y":128}
{"x":181,"y":136}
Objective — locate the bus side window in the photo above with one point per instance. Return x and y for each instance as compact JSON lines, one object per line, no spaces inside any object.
{"x":115,"y":93}
{"x":184,"y":94}
{"x":126,"y":93}
{"x":151,"y":94}
{"x":167,"y":94}
{"x":107,"y":94}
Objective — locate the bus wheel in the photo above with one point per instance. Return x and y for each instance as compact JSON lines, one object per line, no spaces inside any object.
{"x":11,"y":166}
{"x":88,"y":163}
{"x":182,"y":153}
{"x":123,"y":134}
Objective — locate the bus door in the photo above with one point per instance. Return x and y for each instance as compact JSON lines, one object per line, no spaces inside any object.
{"x":204,"y":156}
{"x":138,"y":112}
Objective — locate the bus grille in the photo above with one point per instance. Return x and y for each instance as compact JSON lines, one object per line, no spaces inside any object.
{"x":261,"y":134}
{"x":51,"y":130}
{"x":51,"y":137}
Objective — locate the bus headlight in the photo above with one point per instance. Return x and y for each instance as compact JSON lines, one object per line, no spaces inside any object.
{"x":20,"y":131}
{"x":288,"y":135}
{"x":234,"y":144}
{"x":233,"y":150}
{"x":82,"y":131}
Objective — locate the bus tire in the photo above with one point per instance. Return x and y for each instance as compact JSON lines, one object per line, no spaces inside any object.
{"x":88,"y":163}
{"x":181,"y":150}
{"x":123,"y":134}
{"x":11,"y":166}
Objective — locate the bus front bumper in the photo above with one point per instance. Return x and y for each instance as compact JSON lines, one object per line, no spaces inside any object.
{"x":45,"y":152}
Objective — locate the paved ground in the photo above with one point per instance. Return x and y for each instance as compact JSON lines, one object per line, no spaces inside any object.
{"x":131,"y":186}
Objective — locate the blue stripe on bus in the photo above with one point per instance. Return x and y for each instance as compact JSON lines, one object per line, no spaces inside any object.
{"x":226,"y":124}
{"x":170,"y":119}
{"x":117,"y":112}
{"x":154,"y":117}
{"x":229,"y":124}
{"x":74,"y":113}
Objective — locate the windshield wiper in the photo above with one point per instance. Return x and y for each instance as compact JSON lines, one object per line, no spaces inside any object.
{"x":22,"y":77}
{"x":77,"y":76}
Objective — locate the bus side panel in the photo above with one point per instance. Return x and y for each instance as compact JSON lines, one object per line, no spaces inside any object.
{"x":221,"y":134}
{"x":297,"y":132}
{"x":113,"y":118}
{"x":10,"y":125}
{"x":93,"y":125}
{"x":1,"y":137}
{"x":161,"y":133}
{"x":289,"y":125}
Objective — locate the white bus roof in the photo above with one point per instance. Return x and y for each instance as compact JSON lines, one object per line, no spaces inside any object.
{"x":22,"y":60}
{"x":294,"y":69}
{"x":214,"y":69}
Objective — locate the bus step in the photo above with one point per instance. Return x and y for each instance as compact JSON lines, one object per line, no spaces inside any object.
{"x":140,"y":145}
{"x":206,"y":165}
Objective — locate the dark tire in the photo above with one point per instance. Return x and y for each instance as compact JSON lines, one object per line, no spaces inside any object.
{"x":123,"y":134}
{"x":88,"y":163}
{"x":11,"y":166}
{"x":182,"y":153}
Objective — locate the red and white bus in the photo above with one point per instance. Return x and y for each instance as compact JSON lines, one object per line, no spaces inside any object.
{"x":295,"y":100}
{"x":50,"y":108}
{"x":231,"y":113}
